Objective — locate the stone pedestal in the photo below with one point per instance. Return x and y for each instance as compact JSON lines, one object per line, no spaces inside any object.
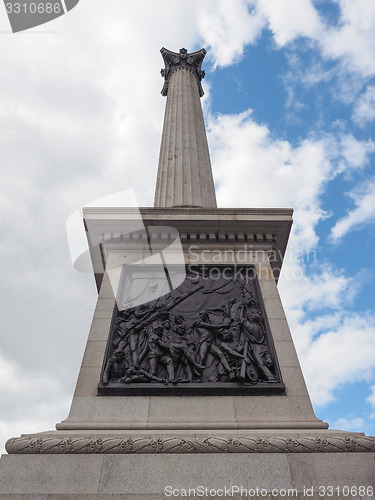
{"x":238,"y":237}
{"x":146,"y":447}
{"x":327,"y":465}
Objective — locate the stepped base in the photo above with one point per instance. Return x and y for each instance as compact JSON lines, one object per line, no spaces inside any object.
{"x":110,"y":465}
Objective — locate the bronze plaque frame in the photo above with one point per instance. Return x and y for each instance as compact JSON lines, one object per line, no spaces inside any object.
{"x":208,"y":336}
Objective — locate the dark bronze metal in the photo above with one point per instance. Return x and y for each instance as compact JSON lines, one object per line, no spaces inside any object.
{"x":174,"y":60}
{"x":208,"y":336}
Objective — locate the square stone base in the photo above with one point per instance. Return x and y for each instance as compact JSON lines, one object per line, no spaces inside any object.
{"x":146,"y":477}
{"x":106,"y":472}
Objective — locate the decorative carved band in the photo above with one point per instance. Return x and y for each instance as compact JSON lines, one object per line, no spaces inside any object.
{"x":173,"y":61}
{"x":216,"y":237}
{"x":187,"y":444}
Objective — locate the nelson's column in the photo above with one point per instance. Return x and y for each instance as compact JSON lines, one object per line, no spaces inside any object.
{"x":190,"y":379}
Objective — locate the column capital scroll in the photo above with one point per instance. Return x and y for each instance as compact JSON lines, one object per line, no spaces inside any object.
{"x":174,"y":60}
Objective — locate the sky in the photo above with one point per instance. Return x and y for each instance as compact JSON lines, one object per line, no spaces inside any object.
{"x":289,"y":107}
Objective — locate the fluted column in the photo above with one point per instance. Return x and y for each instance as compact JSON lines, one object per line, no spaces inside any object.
{"x":184,"y":173}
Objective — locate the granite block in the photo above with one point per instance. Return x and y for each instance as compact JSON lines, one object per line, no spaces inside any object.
{"x":147,"y":474}
{"x":104,"y":309}
{"x":43,"y":474}
{"x":286,"y":354}
{"x":274,"y":308}
{"x":273,"y":410}
{"x":294,"y":381}
{"x":211,"y":410}
{"x":87,"y":383}
{"x":335,"y":469}
{"x":94,"y":354}
{"x":100,"y":329}
{"x":280,"y":330}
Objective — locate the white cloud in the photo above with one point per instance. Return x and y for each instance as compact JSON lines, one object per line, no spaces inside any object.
{"x":364,"y":110}
{"x":291,"y":19}
{"x":227,"y":26}
{"x":324,"y":287}
{"x":268,"y":166}
{"x":363,"y":213}
{"x":347,"y":43}
{"x":352,"y":39}
{"x":34,"y":402}
{"x":344,"y":354}
{"x":356,"y":153}
{"x":371,"y":398}
{"x":316,"y":295}
{"x":273,"y":172}
{"x":349,"y":423}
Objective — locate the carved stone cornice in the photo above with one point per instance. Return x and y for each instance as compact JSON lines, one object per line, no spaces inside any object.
{"x":174,"y":61}
{"x":36,"y":444}
{"x":253,"y":227}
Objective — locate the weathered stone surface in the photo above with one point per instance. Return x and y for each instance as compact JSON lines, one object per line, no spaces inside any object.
{"x":191,"y":442}
{"x":99,"y":329}
{"x":294,"y":409}
{"x":280,"y":330}
{"x":336,"y":470}
{"x":104,"y":308}
{"x":287,"y":353}
{"x":294,"y":383}
{"x":184,"y":173}
{"x":46,"y":477}
{"x":94,"y":353}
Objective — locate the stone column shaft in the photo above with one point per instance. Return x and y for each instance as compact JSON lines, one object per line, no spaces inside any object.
{"x":184,"y":173}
